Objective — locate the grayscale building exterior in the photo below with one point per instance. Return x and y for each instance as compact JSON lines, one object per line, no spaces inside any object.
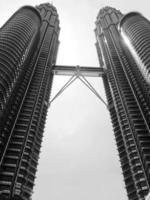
{"x":123,"y":46}
{"x":28,"y":49}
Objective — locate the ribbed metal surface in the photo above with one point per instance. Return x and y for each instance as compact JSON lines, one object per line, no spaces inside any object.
{"x":135,"y":30}
{"x":21,"y":151}
{"x":17,"y":37}
{"x":125,"y":96}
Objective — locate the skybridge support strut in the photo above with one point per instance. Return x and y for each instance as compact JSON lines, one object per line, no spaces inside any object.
{"x":77,"y":72}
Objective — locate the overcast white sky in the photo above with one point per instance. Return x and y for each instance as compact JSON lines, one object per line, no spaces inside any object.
{"x":79,"y":160}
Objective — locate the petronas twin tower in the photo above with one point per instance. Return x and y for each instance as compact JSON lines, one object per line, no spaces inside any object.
{"x":124,"y":48}
{"x":28,"y":51}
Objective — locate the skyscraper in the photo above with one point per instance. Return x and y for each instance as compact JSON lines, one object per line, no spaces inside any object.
{"x":28,"y":49}
{"x":123,"y":48}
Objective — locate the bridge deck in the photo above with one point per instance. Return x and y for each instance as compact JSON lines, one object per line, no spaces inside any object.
{"x":77,"y":70}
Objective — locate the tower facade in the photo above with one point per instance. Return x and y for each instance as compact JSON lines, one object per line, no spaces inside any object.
{"x":127,"y":90}
{"x":135,"y":30}
{"x":28,"y":49}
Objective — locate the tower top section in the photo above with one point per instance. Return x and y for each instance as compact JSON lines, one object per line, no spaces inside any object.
{"x":28,"y":11}
{"x":47,"y":7}
{"x":107,"y":10}
{"x":130,"y":15}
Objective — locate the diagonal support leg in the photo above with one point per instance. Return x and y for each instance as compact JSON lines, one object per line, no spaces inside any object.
{"x":67,"y":84}
{"x":78,"y":73}
{"x":88,"y":84}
